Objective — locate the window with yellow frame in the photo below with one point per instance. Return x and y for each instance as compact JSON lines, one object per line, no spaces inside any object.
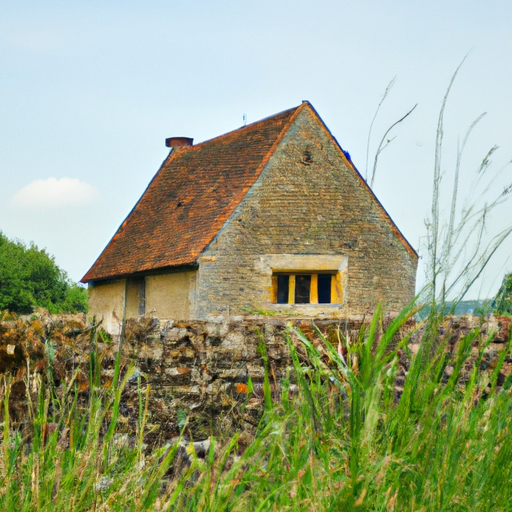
{"x":306,"y":288}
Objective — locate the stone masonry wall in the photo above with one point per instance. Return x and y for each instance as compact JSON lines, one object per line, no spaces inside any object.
{"x":307,"y":201}
{"x":196,"y":370}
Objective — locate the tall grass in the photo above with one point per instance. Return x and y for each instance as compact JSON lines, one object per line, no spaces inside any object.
{"x":463,"y":234}
{"x":458,"y":248}
{"x":353,"y":428}
{"x":70,"y":458}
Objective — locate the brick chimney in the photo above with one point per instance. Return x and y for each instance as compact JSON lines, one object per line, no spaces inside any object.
{"x":178,"y":142}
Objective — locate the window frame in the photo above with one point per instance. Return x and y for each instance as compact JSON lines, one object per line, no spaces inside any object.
{"x":335,"y":293}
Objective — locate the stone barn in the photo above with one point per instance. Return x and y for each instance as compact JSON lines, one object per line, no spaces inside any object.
{"x":270,"y":218}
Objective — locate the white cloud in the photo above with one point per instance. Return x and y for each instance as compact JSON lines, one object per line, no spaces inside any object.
{"x":54,"y":193}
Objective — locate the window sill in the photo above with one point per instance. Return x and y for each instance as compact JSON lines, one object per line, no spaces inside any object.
{"x":313,"y":310}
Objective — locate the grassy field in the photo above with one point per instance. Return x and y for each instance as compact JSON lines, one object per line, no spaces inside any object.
{"x":342,"y":436}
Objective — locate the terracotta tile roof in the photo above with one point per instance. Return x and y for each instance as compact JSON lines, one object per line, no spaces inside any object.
{"x":189,"y":200}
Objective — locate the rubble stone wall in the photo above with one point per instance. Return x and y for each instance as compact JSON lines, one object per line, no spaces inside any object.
{"x":194,"y":371}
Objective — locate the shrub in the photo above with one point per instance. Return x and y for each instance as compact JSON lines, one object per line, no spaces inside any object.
{"x":503,"y":299}
{"x":29,"y":278}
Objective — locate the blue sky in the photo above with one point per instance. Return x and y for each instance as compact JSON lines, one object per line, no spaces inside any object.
{"x":90,"y":90}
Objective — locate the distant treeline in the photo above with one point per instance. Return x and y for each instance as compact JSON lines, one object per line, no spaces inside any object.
{"x":463,"y":307}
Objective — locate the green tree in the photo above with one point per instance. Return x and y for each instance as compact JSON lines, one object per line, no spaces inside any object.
{"x":503,"y":300}
{"x":29,"y":278}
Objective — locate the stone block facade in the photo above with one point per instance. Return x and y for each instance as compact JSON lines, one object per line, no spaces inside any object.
{"x":319,"y":208}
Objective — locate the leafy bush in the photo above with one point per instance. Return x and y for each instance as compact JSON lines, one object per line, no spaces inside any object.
{"x":503,"y":300}
{"x":29,"y":278}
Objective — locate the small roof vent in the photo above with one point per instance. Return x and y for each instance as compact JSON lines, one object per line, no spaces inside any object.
{"x":178,"y":142}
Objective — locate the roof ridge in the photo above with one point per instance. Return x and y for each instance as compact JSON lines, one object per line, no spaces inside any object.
{"x":264,"y":160}
{"x":246,"y":149}
{"x":236,"y":130}
{"x":267,"y":156}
